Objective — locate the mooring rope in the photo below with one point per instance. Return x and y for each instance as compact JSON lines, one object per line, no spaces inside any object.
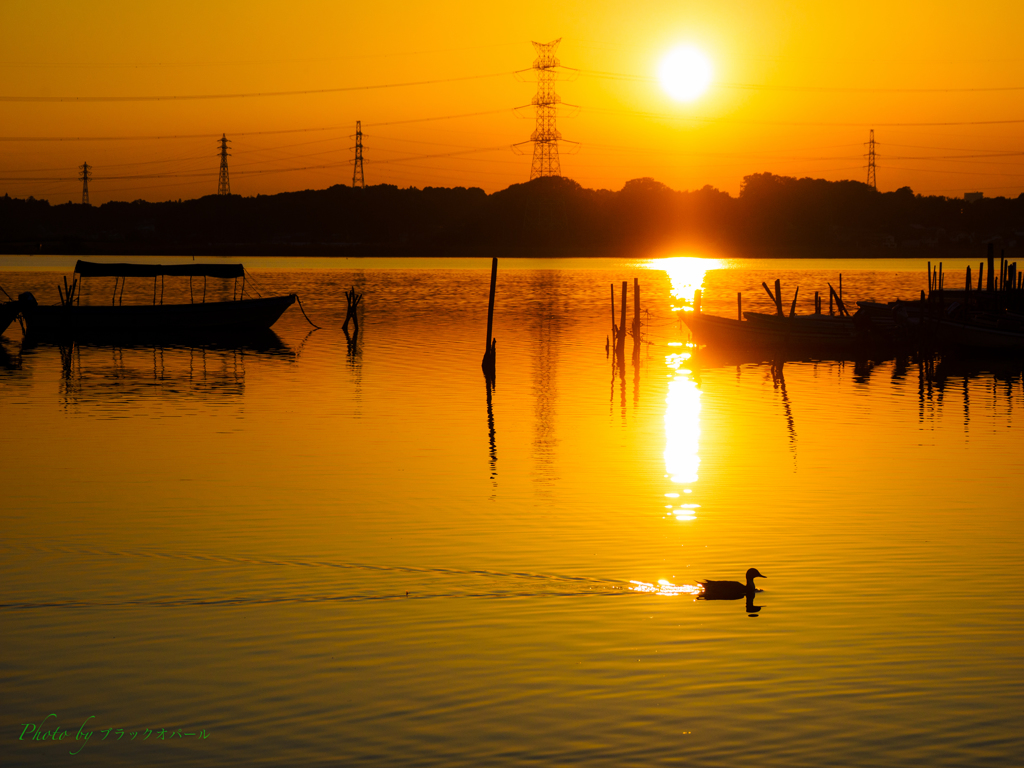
{"x":304,"y":313}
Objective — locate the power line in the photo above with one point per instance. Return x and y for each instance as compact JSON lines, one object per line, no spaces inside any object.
{"x":253,"y":95}
{"x":264,"y":62}
{"x":250,"y":133}
{"x":666,"y":116}
{"x":806,"y":88}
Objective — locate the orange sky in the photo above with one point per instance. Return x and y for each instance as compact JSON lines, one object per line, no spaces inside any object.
{"x":797,"y":87}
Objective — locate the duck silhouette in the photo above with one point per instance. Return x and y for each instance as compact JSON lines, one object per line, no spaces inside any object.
{"x":731,"y":590}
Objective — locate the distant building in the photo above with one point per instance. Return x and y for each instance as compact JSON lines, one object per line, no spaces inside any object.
{"x":970,"y":197}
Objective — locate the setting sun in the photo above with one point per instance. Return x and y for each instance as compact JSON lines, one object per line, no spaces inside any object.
{"x":685,"y":73}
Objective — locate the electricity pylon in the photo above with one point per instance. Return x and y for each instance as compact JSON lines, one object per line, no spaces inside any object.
{"x":357,"y":167}
{"x":224,"y":186}
{"x":84,"y":176}
{"x":546,"y":137}
{"x":871,"y":161}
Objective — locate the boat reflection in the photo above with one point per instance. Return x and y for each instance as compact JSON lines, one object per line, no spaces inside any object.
{"x":939,"y":377}
{"x":126,"y":373}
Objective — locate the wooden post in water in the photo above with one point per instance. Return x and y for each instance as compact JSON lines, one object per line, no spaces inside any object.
{"x":489,"y":354}
{"x":739,"y":306}
{"x":636,"y":320}
{"x":636,"y":310}
{"x":620,"y":346}
{"x":792,"y":307}
{"x":615,"y":333}
{"x":817,"y":303}
{"x":981,"y":272}
{"x":929,"y":277}
{"x":991,"y":284}
{"x":778,"y":298}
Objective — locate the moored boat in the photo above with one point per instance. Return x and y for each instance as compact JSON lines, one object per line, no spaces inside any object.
{"x":774,"y":332}
{"x":8,"y":311}
{"x":982,"y":332}
{"x":71,"y":319}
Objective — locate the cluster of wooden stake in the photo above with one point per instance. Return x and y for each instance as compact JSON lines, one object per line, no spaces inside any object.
{"x":619,"y":331}
{"x":354,"y":300}
{"x":1000,"y":287}
{"x":67,"y":296}
{"x":776,"y":297}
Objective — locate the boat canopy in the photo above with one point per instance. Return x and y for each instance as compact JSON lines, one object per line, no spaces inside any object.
{"x":93,"y":269}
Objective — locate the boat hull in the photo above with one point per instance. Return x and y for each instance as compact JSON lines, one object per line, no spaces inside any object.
{"x":978,"y":338}
{"x":8,"y":311}
{"x":770,"y":332}
{"x":159,"y":320}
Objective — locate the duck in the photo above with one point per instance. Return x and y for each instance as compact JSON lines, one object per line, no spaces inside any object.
{"x":731,"y":590}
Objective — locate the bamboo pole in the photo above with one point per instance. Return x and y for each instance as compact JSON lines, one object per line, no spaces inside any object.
{"x":739,"y":306}
{"x":489,"y":361}
{"x":620,"y":346}
{"x":614,"y":331}
{"x":636,"y":310}
{"x":990,"y":286}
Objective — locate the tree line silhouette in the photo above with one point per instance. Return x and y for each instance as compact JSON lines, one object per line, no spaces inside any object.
{"x":772,"y":216}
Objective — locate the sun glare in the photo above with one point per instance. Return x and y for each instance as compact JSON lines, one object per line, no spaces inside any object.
{"x":685,"y":73}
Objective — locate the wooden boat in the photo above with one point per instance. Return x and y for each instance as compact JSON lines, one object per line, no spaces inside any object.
{"x":762,"y":331}
{"x":982,"y":333}
{"x":8,"y":311}
{"x":70,"y":319}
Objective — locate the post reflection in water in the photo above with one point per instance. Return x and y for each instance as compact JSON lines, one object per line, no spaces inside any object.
{"x":779,"y":380}
{"x":493,"y":461}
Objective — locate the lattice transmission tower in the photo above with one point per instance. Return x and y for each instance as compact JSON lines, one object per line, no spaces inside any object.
{"x":357,"y":163}
{"x":871,"y":161}
{"x":84,"y":169}
{"x":224,"y":185}
{"x":545,"y":136}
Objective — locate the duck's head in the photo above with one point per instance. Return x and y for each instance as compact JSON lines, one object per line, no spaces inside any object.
{"x":754,"y":573}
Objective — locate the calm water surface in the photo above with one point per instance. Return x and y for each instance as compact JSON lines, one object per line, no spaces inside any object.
{"x":323,"y":555}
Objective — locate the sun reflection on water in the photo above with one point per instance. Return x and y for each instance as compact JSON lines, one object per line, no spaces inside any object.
{"x":666,"y":588}
{"x":686,"y":274}
{"x":682,"y":424}
{"x":682,"y":412}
